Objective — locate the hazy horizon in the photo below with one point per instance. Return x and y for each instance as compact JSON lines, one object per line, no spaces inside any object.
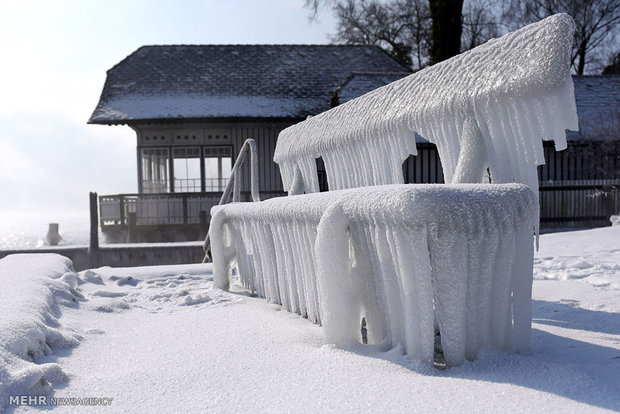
{"x":55,"y":54}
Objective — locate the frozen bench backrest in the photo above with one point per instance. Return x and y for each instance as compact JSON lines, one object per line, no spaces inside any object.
{"x":488,"y":107}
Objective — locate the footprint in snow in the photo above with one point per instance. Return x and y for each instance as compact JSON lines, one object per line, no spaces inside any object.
{"x":580,"y":264}
{"x":91,"y":277}
{"x":190,"y":300}
{"x":122,"y":281}
{"x":111,"y":307}
{"x":107,"y":294}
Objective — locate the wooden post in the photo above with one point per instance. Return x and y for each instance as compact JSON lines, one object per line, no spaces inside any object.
{"x":203,"y":224}
{"x":171,"y":169}
{"x":132,"y":221}
{"x":203,"y":173}
{"x":139,"y":163}
{"x":185,"y":212}
{"x":121,"y":207}
{"x":93,"y":245}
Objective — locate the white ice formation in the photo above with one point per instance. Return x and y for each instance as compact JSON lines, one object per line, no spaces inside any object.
{"x":401,"y":255}
{"x":505,"y":95}
{"x":393,"y":255}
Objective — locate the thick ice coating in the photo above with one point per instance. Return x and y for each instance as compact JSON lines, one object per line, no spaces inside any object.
{"x":502,"y":97}
{"x":401,"y":255}
{"x":395,"y":255}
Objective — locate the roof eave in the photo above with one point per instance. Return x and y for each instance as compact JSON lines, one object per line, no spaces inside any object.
{"x":214,"y":119}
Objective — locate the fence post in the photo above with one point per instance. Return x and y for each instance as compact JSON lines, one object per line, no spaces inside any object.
{"x":93,"y":246}
{"x":608,"y":202}
{"x":132,"y":221}
{"x":203,"y":224}
{"x":121,"y":207}
{"x":184,"y":200}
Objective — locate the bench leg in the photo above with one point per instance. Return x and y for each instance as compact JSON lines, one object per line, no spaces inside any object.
{"x":338,"y":293}
{"x":522,"y":290}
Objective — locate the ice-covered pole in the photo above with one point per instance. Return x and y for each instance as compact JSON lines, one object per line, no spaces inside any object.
{"x":334,"y":280}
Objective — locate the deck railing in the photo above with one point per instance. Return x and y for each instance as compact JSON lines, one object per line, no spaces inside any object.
{"x":163,"y":208}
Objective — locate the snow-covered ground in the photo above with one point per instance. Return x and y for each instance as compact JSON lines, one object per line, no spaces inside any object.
{"x":161,"y":339}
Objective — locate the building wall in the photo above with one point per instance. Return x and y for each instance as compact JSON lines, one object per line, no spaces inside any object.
{"x":170,"y":136}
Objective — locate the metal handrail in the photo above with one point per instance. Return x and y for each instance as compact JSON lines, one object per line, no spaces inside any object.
{"x":234,"y":185}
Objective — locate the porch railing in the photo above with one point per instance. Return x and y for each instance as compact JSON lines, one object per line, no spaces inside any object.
{"x":163,"y":208}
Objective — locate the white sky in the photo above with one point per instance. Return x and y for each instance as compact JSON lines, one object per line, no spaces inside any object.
{"x":53,"y":58}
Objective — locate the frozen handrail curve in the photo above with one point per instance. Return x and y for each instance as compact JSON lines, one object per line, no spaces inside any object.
{"x":234,"y":186}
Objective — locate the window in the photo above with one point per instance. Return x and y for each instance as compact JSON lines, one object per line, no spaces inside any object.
{"x":186,"y":169}
{"x":218,"y":165}
{"x":155,"y":170}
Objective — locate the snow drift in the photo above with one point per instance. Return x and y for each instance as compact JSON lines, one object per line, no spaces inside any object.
{"x":30,"y":294}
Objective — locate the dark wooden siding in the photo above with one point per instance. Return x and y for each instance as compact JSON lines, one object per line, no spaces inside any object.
{"x":425,"y":168}
{"x":265,"y":135}
{"x":579,"y":186}
{"x":591,"y":160}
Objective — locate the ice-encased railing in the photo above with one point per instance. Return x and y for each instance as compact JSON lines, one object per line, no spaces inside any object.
{"x":272,"y":245}
{"x":396,"y":255}
{"x":512,"y":91}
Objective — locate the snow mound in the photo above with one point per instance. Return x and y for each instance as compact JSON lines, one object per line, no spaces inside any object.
{"x":31,"y":289}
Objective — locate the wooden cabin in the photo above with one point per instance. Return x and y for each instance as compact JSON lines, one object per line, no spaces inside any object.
{"x":192,"y":107}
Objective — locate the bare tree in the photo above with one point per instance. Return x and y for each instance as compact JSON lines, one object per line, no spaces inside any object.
{"x":414,"y":32}
{"x":596,"y":23}
{"x":613,"y":68}
{"x":480,"y":23}
{"x":447,"y":29}
{"x":399,"y":27}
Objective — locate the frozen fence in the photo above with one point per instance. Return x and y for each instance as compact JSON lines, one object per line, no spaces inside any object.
{"x":393,"y":254}
{"x":272,"y":245}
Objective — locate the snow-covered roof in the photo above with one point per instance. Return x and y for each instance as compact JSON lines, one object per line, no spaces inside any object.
{"x":598,"y":107}
{"x":358,"y":84}
{"x":205,"y":81}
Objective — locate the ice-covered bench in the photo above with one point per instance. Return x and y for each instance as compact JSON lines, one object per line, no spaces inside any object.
{"x":401,"y":255}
